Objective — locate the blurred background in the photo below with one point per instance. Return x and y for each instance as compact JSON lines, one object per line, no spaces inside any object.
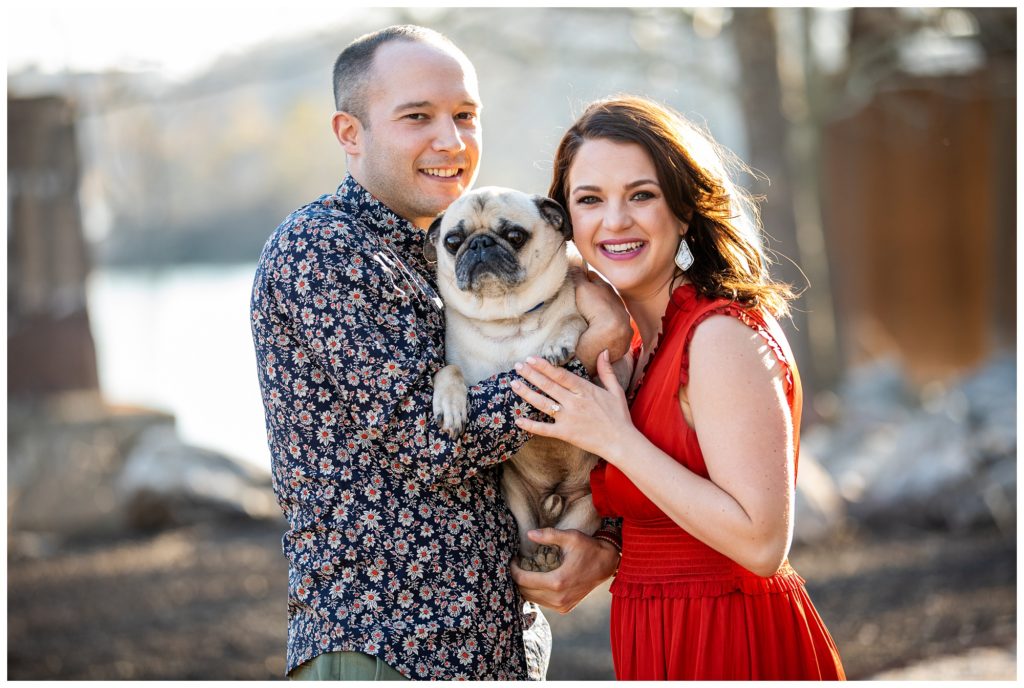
{"x":152,"y":148}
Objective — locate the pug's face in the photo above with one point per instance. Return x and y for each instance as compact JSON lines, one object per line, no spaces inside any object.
{"x":493,"y":241}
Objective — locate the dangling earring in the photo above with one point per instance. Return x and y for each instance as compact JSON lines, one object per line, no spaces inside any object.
{"x":684,"y":257}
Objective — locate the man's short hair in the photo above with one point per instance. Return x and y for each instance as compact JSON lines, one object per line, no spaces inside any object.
{"x":352,"y":68}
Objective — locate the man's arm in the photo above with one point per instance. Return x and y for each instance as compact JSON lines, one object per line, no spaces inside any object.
{"x":362,"y":333}
{"x":608,"y":323}
{"x":586,"y":561}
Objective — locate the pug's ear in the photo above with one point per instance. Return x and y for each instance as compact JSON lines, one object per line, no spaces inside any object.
{"x":430,"y":243}
{"x":555,"y":215}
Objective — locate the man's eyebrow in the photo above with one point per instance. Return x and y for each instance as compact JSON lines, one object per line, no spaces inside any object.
{"x":412,"y":105}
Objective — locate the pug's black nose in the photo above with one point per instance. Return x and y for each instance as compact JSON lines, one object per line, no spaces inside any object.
{"x":480,"y":242}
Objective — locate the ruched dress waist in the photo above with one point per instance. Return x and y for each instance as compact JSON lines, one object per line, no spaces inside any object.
{"x":660,"y":559}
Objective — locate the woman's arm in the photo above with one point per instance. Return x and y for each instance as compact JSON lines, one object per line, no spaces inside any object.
{"x":743,"y":425}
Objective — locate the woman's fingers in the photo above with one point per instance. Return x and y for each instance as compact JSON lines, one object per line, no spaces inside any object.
{"x":536,"y":427}
{"x":606,"y":373}
{"x":550,"y":379}
{"x":536,"y":399}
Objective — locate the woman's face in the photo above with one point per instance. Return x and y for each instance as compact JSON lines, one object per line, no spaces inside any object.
{"x":621,"y":222}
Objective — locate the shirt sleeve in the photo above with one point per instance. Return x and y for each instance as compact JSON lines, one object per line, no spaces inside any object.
{"x":361,"y":320}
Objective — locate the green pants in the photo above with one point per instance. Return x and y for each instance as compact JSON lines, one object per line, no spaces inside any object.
{"x":345,"y":666}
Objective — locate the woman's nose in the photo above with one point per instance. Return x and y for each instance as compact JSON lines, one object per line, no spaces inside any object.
{"x":616,"y":216}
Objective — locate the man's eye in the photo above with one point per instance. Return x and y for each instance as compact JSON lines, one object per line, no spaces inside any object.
{"x":416,"y":116}
{"x":467,"y":116}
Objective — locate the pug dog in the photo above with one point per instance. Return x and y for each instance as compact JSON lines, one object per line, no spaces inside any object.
{"x":502,"y":272}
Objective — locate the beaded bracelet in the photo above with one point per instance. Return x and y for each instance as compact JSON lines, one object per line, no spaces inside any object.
{"x":615,"y":543}
{"x":608,"y":535}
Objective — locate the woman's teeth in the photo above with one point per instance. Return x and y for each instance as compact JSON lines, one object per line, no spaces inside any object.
{"x":623,"y":248}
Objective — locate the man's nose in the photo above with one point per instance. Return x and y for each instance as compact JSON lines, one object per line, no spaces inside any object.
{"x":448,"y":137}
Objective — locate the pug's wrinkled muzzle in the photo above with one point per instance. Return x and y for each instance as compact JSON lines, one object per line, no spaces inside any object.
{"x":485,"y":262}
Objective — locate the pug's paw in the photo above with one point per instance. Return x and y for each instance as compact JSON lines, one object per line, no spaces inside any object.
{"x":562,"y":348}
{"x":451,"y":406}
{"x":558,"y":356}
{"x":546,"y":558}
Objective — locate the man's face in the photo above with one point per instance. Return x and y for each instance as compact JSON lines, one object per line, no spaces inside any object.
{"x":421,"y":144}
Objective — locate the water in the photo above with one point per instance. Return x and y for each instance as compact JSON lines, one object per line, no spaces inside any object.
{"x":178,"y":340}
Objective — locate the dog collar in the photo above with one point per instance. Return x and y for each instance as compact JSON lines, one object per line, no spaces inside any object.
{"x":539,"y":305}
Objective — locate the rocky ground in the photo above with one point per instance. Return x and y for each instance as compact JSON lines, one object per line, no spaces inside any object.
{"x":207,"y":602}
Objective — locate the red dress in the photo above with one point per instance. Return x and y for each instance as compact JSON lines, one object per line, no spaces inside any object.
{"x":680,"y":609}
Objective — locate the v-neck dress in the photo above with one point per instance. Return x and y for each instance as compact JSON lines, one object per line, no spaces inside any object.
{"x":680,"y":609}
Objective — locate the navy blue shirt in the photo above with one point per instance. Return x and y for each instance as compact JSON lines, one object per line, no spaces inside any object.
{"x":399,"y":541}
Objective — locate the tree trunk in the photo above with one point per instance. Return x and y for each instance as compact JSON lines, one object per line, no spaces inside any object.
{"x":768,"y":133}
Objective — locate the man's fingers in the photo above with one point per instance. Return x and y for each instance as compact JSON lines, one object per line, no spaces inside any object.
{"x":528,"y":580}
{"x":546,"y":586}
{"x":550,"y":536}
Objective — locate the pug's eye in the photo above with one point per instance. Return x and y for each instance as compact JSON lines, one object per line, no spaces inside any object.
{"x":516,"y":237}
{"x":452,"y":242}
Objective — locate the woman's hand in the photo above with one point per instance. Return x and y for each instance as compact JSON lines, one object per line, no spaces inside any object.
{"x":585,"y":415}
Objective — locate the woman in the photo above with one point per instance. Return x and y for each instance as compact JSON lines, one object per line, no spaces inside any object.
{"x":700,"y":454}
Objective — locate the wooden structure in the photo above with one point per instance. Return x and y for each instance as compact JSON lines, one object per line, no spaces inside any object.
{"x":920,"y":202}
{"x":50,"y":347}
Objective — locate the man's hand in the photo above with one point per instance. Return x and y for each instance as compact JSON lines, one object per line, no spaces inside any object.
{"x":586,"y":563}
{"x":607,"y":320}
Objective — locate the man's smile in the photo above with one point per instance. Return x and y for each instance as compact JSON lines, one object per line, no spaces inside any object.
{"x":443,"y":172}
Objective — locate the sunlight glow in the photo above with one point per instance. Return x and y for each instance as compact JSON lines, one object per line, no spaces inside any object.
{"x":177,"y":39}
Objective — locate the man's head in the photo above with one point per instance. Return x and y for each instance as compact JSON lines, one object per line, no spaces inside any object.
{"x":408,"y":119}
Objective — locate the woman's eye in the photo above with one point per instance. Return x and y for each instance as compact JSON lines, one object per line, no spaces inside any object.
{"x":642,"y":195}
{"x":452,"y":242}
{"x":416,"y":116}
{"x":468,"y":116}
{"x":587,"y":200}
{"x":516,"y":237}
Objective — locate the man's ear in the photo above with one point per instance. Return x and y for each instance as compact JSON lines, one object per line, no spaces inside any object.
{"x":349,"y":132}
{"x":430,"y":243}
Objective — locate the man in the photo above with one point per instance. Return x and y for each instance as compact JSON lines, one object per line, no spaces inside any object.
{"x":399,"y":542}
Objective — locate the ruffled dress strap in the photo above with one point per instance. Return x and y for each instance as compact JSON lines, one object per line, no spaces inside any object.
{"x":769,"y":329}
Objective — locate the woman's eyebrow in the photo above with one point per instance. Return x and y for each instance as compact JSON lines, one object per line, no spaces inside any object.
{"x":641,"y":182}
{"x":631,"y":185}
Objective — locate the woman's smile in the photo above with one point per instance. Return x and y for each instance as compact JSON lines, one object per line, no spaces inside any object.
{"x":622,"y":249}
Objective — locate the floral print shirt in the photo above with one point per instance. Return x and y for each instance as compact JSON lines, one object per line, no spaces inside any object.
{"x":399,"y":540}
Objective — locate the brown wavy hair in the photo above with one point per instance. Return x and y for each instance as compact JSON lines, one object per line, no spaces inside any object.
{"x":724,"y":229}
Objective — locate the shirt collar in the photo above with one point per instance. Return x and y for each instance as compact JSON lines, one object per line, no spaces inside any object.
{"x":396,"y":232}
